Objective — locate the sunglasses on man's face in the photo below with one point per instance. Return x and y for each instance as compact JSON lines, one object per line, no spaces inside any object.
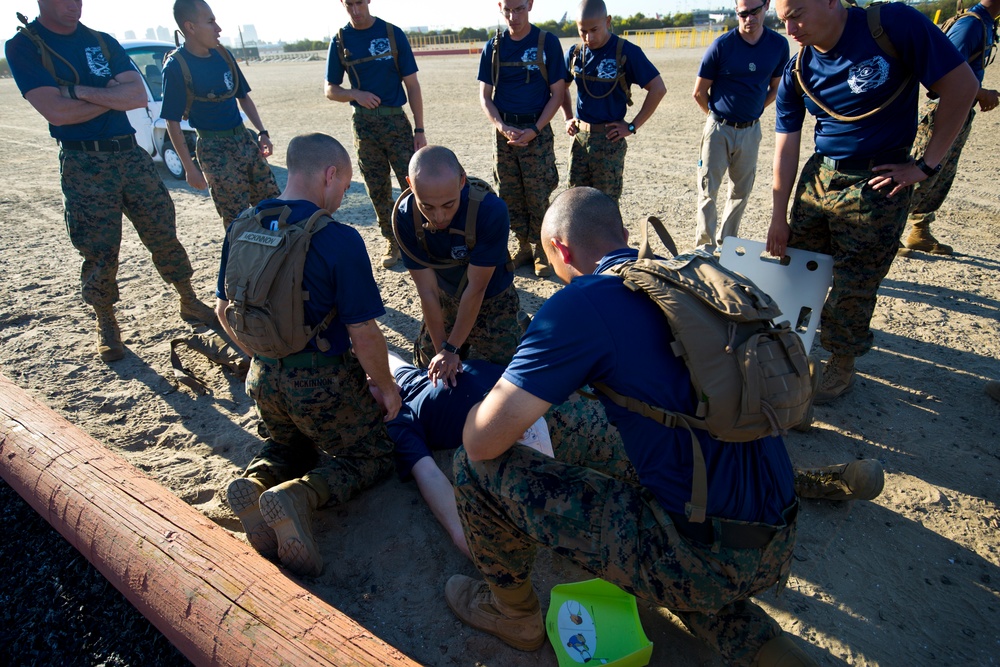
{"x":750,"y":12}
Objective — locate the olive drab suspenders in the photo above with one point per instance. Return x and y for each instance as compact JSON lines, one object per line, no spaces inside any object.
{"x":619,"y":80}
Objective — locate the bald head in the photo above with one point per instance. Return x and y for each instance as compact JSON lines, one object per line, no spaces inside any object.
{"x":591,"y":9}
{"x":435,"y":163}
{"x":586,"y":220}
{"x":313,"y":153}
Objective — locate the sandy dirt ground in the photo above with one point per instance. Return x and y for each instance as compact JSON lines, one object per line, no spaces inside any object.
{"x":911,"y":578}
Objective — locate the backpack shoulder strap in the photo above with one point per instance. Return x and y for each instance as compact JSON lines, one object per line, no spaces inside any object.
{"x":540,"y":56}
{"x":390,"y":30}
{"x":477,"y":193}
{"x":419,"y":231}
{"x":103,"y":44}
{"x":495,"y":60}
{"x":873,"y":12}
{"x":620,"y":59}
{"x":45,"y":52}
{"x":227,"y":57}
{"x":188,"y":81}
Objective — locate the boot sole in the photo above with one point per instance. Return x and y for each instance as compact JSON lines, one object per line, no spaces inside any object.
{"x":296,"y":547}
{"x":245,"y":503}
{"x":520,"y":645}
{"x":112,"y":353}
{"x":823,"y":400}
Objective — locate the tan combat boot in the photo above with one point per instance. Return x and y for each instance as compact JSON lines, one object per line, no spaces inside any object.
{"x":523,"y":256}
{"x":782,"y":652}
{"x":243,"y":495}
{"x":192,"y":308}
{"x":542,"y":268}
{"x":391,"y":254}
{"x":857,"y":480}
{"x":288,"y":509}
{"x":920,"y":238}
{"x":516,"y":618}
{"x":109,"y":336}
{"x":838,"y":378}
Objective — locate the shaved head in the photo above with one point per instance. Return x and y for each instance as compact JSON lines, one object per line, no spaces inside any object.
{"x":435,"y":163}
{"x":312,"y":153}
{"x":187,"y":10}
{"x":587,"y":220}
{"x":589,"y":10}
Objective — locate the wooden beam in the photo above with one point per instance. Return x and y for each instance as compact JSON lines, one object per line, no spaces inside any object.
{"x":212,"y":596}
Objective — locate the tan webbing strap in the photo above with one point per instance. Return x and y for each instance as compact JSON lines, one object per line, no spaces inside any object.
{"x":645,"y":252}
{"x":191,"y":98}
{"x":583,"y":77}
{"x":697,"y":507}
{"x":538,"y":62}
{"x":351,"y":65}
{"x":873,"y":13}
{"x":402,"y":246}
{"x":45,"y":52}
{"x":316,"y":222}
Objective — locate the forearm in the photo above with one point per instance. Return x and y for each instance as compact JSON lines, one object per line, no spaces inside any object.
{"x":654,"y":94}
{"x":957,"y":90}
{"x":430,"y":305}
{"x":468,"y":312}
{"x":558,"y":93}
{"x":489,"y":108}
{"x":250,"y":109}
{"x":567,"y":105}
{"x":180,"y":146}
{"x":700,"y":93}
{"x":58,"y":109}
{"x":122,"y":96}
{"x":337,"y":93}
{"x":373,"y":354}
{"x":786,"y":164}
{"x":416,"y":99}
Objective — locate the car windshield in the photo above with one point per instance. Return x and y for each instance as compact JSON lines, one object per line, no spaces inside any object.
{"x":149,"y":62}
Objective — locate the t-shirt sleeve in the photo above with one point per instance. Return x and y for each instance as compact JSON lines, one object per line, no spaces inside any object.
{"x":492,"y":230}
{"x":556,"y":355}
{"x":790,"y":108}
{"x":358,"y":298}
{"x":174,"y":91}
{"x":26,"y":65}
{"x":486,"y":63}
{"x":554,"y":59}
{"x":407,"y":63}
{"x":570,"y":52}
{"x":334,"y":70}
{"x":638,"y":69}
{"x":967,"y":36}
{"x":709,"y":68}
{"x":120,"y":62}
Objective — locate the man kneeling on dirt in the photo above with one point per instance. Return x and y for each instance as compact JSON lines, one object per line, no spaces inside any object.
{"x":637,"y":536}
{"x":459,"y":263}
{"x":327,"y":436}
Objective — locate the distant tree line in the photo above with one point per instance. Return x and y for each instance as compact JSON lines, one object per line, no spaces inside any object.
{"x":307,"y":45}
{"x":4,"y":69}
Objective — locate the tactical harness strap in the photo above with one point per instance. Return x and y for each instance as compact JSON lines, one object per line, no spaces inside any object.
{"x":351,"y":65}
{"x":46,"y":52}
{"x":988,"y":55}
{"x":538,"y":62}
{"x":873,"y":12}
{"x":582,"y":77}
{"x":189,"y":81}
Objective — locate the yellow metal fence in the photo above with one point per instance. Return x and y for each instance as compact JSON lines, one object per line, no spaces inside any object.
{"x":674,"y":38}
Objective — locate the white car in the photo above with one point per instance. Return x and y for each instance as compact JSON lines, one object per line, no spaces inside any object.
{"x":150,"y":129}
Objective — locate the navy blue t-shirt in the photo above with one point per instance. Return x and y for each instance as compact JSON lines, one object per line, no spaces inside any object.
{"x":209,"y":76}
{"x":492,"y":230}
{"x":83,"y":51}
{"x":337,"y":273}
{"x":597,"y":330}
{"x":433,"y":417}
{"x":741,"y":73}
{"x":856,"y":76}
{"x":511,"y":94}
{"x":968,"y":36}
{"x":380,"y":76}
{"x":602,"y":63}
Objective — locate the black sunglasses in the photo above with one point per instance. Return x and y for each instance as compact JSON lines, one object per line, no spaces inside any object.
{"x":751,"y":12}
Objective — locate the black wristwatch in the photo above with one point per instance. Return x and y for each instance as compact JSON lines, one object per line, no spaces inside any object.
{"x":631,"y":128}
{"x":264,"y":133}
{"x":928,"y":170}
{"x":448,"y":347}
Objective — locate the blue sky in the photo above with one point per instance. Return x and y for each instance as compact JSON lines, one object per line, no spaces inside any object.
{"x":290,"y":20}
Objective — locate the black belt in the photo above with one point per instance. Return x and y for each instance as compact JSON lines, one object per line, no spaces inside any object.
{"x":305,"y":360}
{"x":738,"y":126}
{"x":898,"y":156}
{"x":113,"y":145}
{"x":731,"y":535}
{"x":519,"y":118}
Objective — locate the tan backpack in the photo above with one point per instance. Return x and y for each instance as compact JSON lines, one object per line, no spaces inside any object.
{"x":750,"y":376}
{"x":264,"y":282}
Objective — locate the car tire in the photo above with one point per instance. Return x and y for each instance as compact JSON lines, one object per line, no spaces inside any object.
{"x":172,"y":160}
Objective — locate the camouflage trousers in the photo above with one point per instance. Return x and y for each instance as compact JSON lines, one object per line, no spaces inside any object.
{"x":383,"y":142}
{"x":494,"y":336}
{"x":839,"y":214}
{"x":323,"y":422}
{"x":616,"y":530}
{"x":597,"y":162}
{"x":97,"y":188}
{"x":930,"y":193}
{"x":238,"y":175}
{"x":526,"y":176}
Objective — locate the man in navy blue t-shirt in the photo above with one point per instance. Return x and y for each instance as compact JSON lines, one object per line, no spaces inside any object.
{"x":605,"y":67}
{"x":376,"y":58}
{"x":231,"y":160}
{"x":975,"y":37}
{"x":465,"y":281}
{"x":327,"y":437}
{"x":738,"y":78}
{"x":511,"y":499}
{"x":854,"y":193}
{"x":82,"y":82}
{"x":521,"y":86}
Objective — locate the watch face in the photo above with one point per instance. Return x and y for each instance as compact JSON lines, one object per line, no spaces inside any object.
{"x":631,"y":128}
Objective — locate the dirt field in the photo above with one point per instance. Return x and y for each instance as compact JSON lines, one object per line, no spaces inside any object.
{"x":909,"y":579}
